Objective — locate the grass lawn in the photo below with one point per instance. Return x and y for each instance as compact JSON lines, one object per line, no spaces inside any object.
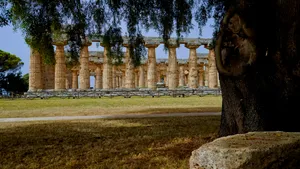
{"x":127,"y":143}
{"x":105,"y":106}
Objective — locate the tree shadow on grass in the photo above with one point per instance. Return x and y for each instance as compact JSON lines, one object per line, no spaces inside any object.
{"x":121,"y":143}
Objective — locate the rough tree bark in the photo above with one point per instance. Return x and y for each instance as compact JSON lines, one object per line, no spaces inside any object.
{"x":261,"y":92}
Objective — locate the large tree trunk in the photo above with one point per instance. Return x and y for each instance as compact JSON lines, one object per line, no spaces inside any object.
{"x":266,"y":96}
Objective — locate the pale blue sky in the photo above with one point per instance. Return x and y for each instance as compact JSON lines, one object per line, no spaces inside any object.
{"x":13,"y":42}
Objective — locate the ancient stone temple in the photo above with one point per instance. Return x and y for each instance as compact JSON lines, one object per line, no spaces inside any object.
{"x":197,"y":70}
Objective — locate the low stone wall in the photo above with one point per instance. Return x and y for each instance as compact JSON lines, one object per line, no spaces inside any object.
{"x":254,"y":150}
{"x":127,"y":93}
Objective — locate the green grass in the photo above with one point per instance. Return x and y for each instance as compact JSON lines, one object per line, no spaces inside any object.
{"x":128,"y":143}
{"x":104,"y":106}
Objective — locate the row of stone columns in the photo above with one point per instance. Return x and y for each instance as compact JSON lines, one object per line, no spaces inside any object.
{"x":60,"y":79}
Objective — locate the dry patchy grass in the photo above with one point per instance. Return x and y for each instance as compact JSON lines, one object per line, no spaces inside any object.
{"x":127,"y":143}
{"x":104,"y":106}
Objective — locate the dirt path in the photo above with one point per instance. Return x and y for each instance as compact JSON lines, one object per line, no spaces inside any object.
{"x":121,"y":116}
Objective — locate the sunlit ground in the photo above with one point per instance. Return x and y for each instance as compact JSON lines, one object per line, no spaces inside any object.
{"x":105,"y":106}
{"x":130,"y":143}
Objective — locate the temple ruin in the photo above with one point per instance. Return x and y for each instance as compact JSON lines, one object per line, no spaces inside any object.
{"x":193,"y":72}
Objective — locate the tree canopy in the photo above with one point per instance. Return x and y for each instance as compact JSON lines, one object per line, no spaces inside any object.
{"x":10,"y":76}
{"x":41,"y":20}
{"x":14,"y":82}
{"x":9,"y":62}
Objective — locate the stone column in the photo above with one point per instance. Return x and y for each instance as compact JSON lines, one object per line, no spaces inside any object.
{"x":35,"y":71}
{"x":167,"y":77}
{"x":173,"y":68}
{"x":146,"y":78}
{"x":49,"y":78}
{"x":117,"y":81}
{"x":98,"y":78}
{"x":136,"y":79}
{"x":157,"y":74}
{"x":193,"y":70}
{"x":114,"y":81}
{"x":107,"y":71}
{"x":142,"y":77}
{"x":60,"y":67}
{"x":206,"y":82}
{"x":212,"y":72}
{"x":181,"y":75}
{"x":129,"y":70}
{"x":84,"y":72}
{"x":151,"y":73}
{"x":43,"y":70}
{"x":201,"y":76}
{"x":69,"y":79}
{"x":120,"y":81}
{"x":74,"y":80}
{"x":123,"y":79}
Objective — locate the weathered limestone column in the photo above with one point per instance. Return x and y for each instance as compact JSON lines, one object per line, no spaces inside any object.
{"x":120,"y":81}
{"x":114,"y":81}
{"x":193,"y":70}
{"x":129,"y":70}
{"x":146,"y":78}
{"x":167,"y":77}
{"x":69,"y":79}
{"x":117,"y":81}
{"x":43,"y":70}
{"x":49,"y":78}
{"x":60,"y":67}
{"x":206,"y":82}
{"x":151,"y":73}
{"x":107,"y":71}
{"x":173,"y":68}
{"x":201,"y":75}
{"x":136,"y":79}
{"x":181,"y":75}
{"x":98,"y":78}
{"x":212,"y":71}
{"x":158,"y":76}
{"x":35,"y":71}
{"x":142,"y":77}
{"x":74,"y":79}
{"x":123,"y":79}
{"x":84,"y":72}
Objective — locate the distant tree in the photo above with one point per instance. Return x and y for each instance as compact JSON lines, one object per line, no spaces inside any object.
{"x":9,"y":62}
{"x":10,"y":77}
{"x":26,"y":79}
{"x":14,"y":83}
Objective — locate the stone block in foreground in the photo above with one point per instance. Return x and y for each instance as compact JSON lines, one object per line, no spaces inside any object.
{"x":254,"y":150}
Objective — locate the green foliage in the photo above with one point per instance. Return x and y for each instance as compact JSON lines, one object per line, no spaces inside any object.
{"x":14,"y":82}
{"x":10,"y":78}
{"x":4,"y":13}
{"x":26,"y":79}
{"x":113,"y":42}
{"x":9,"y":62}
{"x":43,"y":21}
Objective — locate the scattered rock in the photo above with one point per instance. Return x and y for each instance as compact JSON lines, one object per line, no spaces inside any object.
{"x":254,"y":150}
